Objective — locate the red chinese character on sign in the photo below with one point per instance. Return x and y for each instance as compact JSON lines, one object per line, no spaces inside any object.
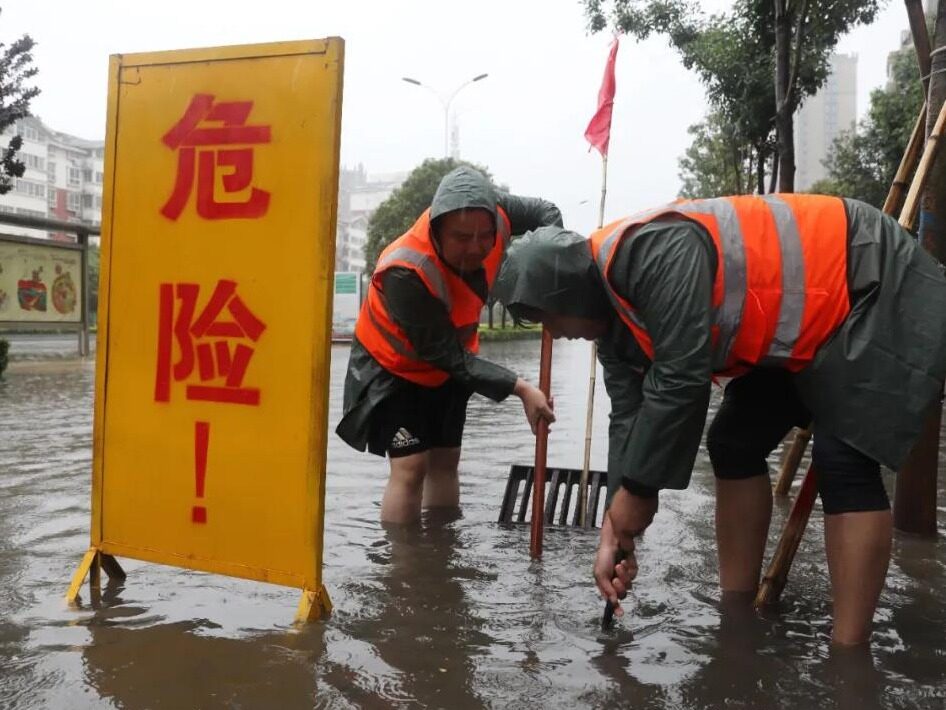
{"x":220,"y":347}
{"x":213,"y":127}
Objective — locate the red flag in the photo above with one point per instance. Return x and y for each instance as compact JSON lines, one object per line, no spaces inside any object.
{"x":598,"y":132}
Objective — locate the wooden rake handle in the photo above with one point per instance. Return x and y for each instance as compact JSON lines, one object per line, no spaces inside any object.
{"x":541,"y":452}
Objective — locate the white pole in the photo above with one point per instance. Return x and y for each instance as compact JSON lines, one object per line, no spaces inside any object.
{"x":586,"y":465}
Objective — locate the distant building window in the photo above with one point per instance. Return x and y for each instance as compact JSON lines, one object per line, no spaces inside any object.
{"x":34,"y":161}
{"x":99,"y":178}
{"x":75,"y":177}
{"x":28,"y":187}
{"x":74,"y":201}
{"x":28,"y":132}
{"x":87,"y":200}
{"x":52,"y":196}
{"x":98,"y":202}
{"x":87,"y":175}
{"x":51,"y":170}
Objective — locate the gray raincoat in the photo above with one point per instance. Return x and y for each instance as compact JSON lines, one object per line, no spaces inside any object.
{"x":425,"y":319}
{"x":870,"y":385}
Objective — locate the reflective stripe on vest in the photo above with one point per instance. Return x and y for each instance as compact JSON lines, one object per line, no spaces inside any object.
{"x":780,"y":288}
{"x":414,"y":250}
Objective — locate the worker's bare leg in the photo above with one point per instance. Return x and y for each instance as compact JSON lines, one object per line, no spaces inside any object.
{"x":858,"y":549}
{"x":442,"y":484}
{"x":403,"y":494}
{"x":743,"y":512}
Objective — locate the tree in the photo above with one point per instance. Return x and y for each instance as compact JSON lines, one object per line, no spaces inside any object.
{"x":863,"y":164}
{"x":758,"y":62}
{"x":396,"y":214}
{"x":806,"y":32}
{"x":719,"y":161}
{"x":16,"y":69}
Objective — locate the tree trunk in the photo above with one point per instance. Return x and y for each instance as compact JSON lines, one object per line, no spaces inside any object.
{"x":784,"y":122}
{"x":737,"y":167}
{"x":760,"y":171}
{"x":502,"y":310}
{"x":489,"y":308}
{"x":775,"y":165}
{"x":915,"y":501}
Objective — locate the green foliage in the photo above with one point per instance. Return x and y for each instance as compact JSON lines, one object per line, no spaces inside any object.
{"x":4,"y":358}
{"x":863,"y":164}
{"x":16,"y":69}
{"x":396,"y":214}
{"x":734,"y":53}
{"x":718,"y":162}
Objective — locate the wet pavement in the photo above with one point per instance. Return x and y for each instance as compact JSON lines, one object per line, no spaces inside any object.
{"x":453,"y":615}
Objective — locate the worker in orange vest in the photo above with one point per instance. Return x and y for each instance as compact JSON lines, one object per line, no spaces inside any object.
{"x":822,"y":310}
{"x":413,"y":362}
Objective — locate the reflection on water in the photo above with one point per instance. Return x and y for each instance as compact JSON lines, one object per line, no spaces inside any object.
{"x":451,"y":615}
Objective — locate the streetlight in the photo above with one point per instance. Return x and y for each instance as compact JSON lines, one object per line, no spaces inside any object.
{"x":445,"y":103}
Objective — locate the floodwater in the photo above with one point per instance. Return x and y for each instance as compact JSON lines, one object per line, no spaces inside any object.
{"x":454,"y":615}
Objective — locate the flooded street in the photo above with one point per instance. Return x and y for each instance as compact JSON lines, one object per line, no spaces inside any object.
{"x":454,"y":615}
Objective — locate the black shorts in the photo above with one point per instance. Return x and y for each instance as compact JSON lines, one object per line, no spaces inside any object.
{"x":415,"y":419}
{"x":757,"y":411}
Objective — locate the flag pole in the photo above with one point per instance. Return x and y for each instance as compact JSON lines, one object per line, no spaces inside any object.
{"x":598,"y":134}
{"x":592,"y":376}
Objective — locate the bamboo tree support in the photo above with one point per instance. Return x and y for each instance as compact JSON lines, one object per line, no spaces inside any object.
{"x":790,"y":463}
{"x":773,"y":582}
{"x":912,"y":204}
{"x":901,"y":180}
{"x":586,"y":462}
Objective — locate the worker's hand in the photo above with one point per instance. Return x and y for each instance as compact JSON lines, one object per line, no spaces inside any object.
{"x":613,"y":578}
{"x":629,"y":516}
{"x":535,"y":404}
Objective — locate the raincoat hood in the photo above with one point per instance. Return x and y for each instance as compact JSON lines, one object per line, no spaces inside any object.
{"x":463,"y":188}
{"x":551,"y":269}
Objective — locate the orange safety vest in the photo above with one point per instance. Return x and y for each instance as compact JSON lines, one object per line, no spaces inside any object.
{"x":414,"y":250}
{"x":780,"y":289}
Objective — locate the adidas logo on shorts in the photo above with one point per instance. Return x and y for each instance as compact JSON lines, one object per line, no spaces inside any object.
{"x":403,"y":438}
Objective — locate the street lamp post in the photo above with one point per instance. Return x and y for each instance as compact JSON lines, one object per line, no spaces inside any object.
{"x":445,"y":103}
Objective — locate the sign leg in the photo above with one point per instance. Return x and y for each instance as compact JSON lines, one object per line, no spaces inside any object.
{"x":79,"y":577}
{"x":313,"y":605}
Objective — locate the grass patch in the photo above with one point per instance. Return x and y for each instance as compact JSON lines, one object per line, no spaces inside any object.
{"x":532,"y":332}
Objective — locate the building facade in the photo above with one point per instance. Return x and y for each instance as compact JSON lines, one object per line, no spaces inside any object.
{"x":63,"y":178}
{"x":823,"y":118}
{"x":359,"y":195}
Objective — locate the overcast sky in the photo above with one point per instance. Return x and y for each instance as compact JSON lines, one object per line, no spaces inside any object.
{"x":525,"y":121}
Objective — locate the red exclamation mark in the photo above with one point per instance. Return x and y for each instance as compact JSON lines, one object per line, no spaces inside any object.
{"x":201,"y":442}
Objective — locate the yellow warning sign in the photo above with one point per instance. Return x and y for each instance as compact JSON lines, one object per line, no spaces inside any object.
{"x":218,"y":237}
